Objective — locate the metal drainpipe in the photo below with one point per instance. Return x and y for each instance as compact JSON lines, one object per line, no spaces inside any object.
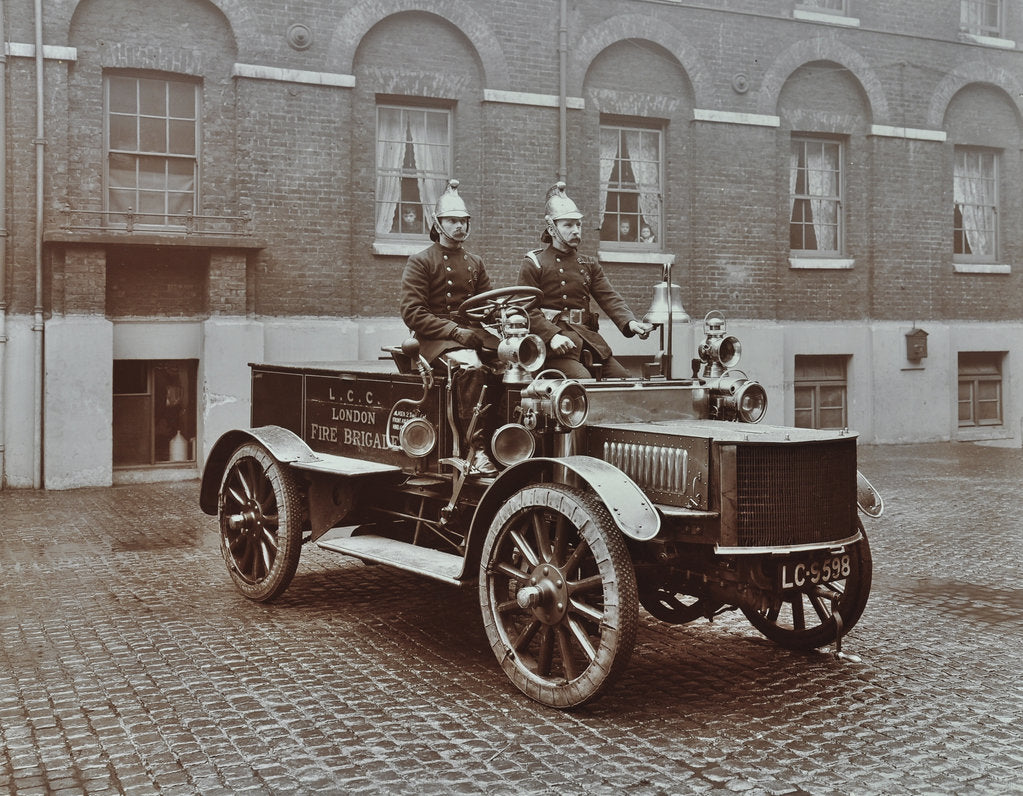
{"x":563,"y":91}
{"x":37,"y":325}
{"x":3,"y":242}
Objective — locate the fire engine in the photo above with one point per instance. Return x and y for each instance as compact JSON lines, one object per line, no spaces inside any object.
{"x":657,"y":491}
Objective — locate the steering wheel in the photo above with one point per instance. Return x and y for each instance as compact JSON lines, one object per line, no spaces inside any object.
{"x":484,"y":306}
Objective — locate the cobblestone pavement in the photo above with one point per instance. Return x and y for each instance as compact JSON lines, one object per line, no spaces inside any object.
{"x":129,"y":664}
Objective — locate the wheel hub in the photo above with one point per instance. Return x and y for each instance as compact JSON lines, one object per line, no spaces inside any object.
{"x":247,"y":520}
{"x":546,"y":594}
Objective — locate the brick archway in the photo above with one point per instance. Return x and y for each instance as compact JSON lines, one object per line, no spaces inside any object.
{"x":636,"y":26}
{"x":821,"y":49}
{"x":354,"y":26}
{"x":962,"y":76}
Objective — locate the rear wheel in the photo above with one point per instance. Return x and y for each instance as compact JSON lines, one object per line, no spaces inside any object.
{"x":806,"y":618}
{"x":260,"y":523}
{"x":558,"y":595}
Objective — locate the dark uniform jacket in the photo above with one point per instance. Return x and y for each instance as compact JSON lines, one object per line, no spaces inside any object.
{"x":435,"y":282}
{"x":568,"y":281}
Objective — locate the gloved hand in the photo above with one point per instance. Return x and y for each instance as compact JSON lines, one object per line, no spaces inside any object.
{"x":561,"y":344}
{"x":470,"y":338}
{"x":641,"y":329}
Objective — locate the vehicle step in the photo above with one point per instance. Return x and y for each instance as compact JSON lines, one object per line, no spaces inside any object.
{"x":344,"y":465}
{"x":434,"y":564}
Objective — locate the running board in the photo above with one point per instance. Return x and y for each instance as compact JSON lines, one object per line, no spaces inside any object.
{"x":435,"y":564}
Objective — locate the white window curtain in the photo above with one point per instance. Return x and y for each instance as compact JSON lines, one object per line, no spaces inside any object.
{"x":793,"y":175}
{"x":390,"y":153}
{"x":430,"y":146}
{"x":608,"y":155}
{"x":973,"y":189}
{"x":821,"y":185}
{"x":830,"y":5}
{"x":971,"y":16}
{"x":645,"y":158}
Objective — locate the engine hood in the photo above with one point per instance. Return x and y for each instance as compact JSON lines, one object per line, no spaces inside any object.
{"x":728,"y":432}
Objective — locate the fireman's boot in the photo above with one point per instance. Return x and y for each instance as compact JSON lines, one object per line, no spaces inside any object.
{"x":468,"y":386}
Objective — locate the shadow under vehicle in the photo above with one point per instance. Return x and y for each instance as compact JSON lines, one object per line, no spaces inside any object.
{"x":658,"y":492}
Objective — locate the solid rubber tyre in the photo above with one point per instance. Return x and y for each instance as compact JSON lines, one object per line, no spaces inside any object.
{"x":558,"y":595}
{"x":260,"y":523}
{"x":806,"y":620}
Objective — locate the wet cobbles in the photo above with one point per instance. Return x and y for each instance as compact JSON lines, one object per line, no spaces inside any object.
{"x":129,"y":664}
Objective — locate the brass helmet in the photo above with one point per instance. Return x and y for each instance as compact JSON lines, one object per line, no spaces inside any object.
{"x":559,"y":207}
{"x":449,"y":205}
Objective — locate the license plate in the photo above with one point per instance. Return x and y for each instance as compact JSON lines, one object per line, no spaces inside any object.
{"x":815,"y":571}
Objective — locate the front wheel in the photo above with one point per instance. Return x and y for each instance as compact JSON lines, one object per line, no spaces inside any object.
{"x":260,"y":523}
{"x":806,"y":618}
{"x":558,"y":595}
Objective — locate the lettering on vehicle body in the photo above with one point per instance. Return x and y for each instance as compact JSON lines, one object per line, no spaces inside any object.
{"x":347,"y":415}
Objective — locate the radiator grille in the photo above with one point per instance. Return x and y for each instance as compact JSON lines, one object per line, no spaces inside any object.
{"x":795,"y":494}
{"x":672,"y":469}
{"x":653,"y":467}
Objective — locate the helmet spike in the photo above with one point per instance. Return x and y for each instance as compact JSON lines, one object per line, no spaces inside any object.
{"x":559,"y":206}
{"x":450,"y":204}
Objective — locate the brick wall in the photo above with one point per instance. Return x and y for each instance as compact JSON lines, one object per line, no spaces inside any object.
{"x":300,"y":158}
{"x":167,"y":282}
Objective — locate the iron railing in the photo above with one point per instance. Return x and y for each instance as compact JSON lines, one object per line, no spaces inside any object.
{"x":131,"y":222}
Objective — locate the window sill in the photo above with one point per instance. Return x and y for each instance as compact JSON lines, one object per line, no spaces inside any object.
{"x":646,"y":258}
{"x":987,"y":41}
{"x":822,"y":263}
{"x":982,"y":433}
{"x":142,"y":474}
{"x":399,"y":248}
{"x":829,"y":19}
{"x":122,"y":237}
{"x":981,"y":268}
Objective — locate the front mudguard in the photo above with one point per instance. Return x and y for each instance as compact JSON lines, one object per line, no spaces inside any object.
{"x":631,"y":510}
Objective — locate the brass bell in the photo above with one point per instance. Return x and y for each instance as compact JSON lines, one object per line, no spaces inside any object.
{"x":658,"y":312}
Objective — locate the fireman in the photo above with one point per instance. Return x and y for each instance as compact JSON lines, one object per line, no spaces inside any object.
{"x":569,"y":280}
{"x":435,"y":282}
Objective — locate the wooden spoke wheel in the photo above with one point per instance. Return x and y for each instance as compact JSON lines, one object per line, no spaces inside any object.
{"x":260,"y":523}
{"x":807,"y":618}
{"x":558,"y":595}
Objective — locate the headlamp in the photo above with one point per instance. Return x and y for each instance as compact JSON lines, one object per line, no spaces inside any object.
{"x":417,"y":437}
{"x":563,"y":400}
{"x":512,"y":443}
{"x":751,"y":402}
{"x":723,"y":351}
{"x":522,"y":356}
{"x":737,"y":397}
{"x":718,"y":351}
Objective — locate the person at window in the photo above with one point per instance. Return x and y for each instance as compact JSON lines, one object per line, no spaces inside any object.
{"x":646,"y":235}
{"x":410,"y":220}
{"x":433,"y":285}
{"x":569,"y":281}
{"x":625,"y":230}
